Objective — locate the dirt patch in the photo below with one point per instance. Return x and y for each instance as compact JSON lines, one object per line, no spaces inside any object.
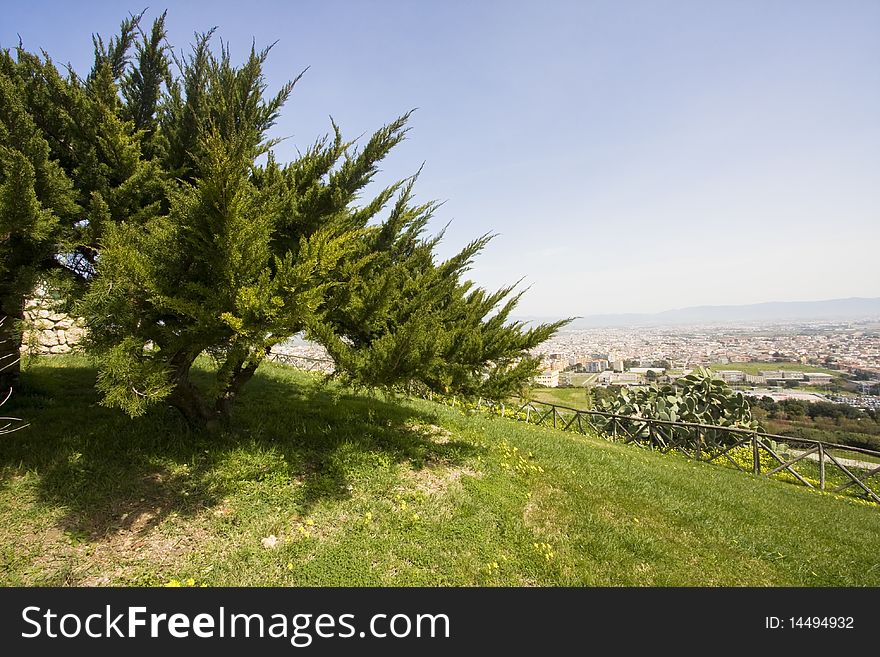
{"x":431,"y":432}
{"x":436,"y":480}
{"x":137,"y":539}
{"x":118,"y":554}
{"x":541,"y":514}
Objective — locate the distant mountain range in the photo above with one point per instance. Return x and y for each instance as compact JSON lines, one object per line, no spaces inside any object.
{"x":854,"y":308}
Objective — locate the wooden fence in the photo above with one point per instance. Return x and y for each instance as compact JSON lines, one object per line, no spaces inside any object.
{"x":307,"y":363}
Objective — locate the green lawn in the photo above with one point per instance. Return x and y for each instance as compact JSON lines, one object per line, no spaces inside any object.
{"x":315,"y":485}
{"x":757,"y":368}
{"x":573,"y":397}
{"x":582,"y":378}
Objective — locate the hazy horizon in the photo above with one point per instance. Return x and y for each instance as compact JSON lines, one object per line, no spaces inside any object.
{"x":725,"y":305}
{"x":633,"y":157}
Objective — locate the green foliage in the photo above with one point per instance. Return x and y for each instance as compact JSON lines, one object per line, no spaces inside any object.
{"x":155,"y":199}
{"x":209,"y":275}
{"x":36,"y":198}
{"x":698,"y":398}
{"x":405,"y":320}
{"x":229,"y":252}
{"x":71,"y":165}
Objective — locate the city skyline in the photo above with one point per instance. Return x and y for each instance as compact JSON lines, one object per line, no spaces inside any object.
{"x":632,"y":158}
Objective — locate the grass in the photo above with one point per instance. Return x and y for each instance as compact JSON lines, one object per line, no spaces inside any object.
{"x":582,"y":378}
{"x":573,"y":397}
{"x":757,"y":368}
{"x":856,"y":456}
{"x":316,"y":485}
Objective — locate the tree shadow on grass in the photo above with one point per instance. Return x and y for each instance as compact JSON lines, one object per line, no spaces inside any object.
{"x":113,"y":475}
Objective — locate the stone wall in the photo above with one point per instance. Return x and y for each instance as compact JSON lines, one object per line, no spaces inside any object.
{"x":47,"y":331}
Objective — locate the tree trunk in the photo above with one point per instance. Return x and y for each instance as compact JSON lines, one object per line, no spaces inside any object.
{"x":187,"y":398}
{"x":11,"y":316}
{"x":193,"y":405}
{"x":225,"y":402}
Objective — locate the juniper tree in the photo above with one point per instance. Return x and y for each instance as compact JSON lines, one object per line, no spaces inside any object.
{"x":75,"y":156}
{"x":242,"y":258}
{"x":36,"y":196}
{"x":251,"y":251}
{"x":402,"y":319}
{"x":160,"y":195}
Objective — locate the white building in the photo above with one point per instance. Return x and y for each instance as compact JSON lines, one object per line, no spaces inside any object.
{"x":548,"y":379}
{"x":731,"y":376}
{"x":599,"y":365}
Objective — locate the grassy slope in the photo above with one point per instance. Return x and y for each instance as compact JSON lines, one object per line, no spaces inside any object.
{"x":360,"y":491}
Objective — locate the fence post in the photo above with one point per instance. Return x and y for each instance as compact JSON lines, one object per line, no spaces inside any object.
{"x":821,"y":466}
{"x":502,"y":409}
{"x":554,"y":416}
{"x":453,"y":401}
{"x":479,"y":403}
{"x":699,"y":443}
{"x":528,"y":413}
{"x":756,"y":455}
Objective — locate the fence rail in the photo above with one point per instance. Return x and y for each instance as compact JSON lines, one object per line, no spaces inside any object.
{"x":307,"y":363}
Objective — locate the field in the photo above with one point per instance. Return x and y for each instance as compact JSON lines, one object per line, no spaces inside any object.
{"x":757,"y":368}
{"x":315,"y":485}
{"x":572,"y":397}
{"x":581,"y":379}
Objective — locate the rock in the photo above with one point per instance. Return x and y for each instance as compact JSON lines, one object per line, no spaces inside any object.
{"x":43,"y":324}
{"x":59,"y":349}
{"x":44,"y":313}
{"x":57,"y":317}
{"x":65,"y":323}
{"x":74,"y":335}
{"x":48,"y":338}
{"x":59,"y":333}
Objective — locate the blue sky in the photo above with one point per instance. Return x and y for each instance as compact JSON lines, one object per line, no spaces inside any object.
{"x":633,"y":156}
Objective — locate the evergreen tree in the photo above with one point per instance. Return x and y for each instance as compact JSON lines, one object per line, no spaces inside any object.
{"x":36,"y":196}
{"x":72,"y":161}
{"x":251,"y":253}
{"x":158,"y":195}
{"x":402,"y":319}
